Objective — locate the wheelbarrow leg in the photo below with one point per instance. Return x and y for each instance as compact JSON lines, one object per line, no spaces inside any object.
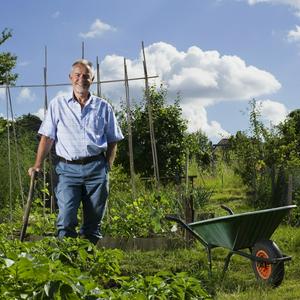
{"x":208,"y":250}
{"x":226,"y":264}
{"x":28,"y":207}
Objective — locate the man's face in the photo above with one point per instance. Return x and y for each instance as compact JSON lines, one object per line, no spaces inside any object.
{"x":81,"y":78}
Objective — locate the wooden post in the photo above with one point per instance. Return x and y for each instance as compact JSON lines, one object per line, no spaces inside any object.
{"x":187,"y":200}
{"x":9,"y":154}
{"x":290,"y":193}
{"x":82,"y":50}
{"x":45,"y":111}
{"x":52,"y":198}
{"x":130,"y":144}
{"x":98,"y":78}
{"x":16,"y":145}
{"x":152,"y":135}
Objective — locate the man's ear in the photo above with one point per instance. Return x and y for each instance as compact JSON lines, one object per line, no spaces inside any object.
{"x":70,"y":75}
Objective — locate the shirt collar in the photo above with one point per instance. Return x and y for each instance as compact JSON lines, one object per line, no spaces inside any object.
{"x":70,"y":98}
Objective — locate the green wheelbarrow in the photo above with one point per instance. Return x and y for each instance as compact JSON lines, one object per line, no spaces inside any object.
{"x":237,"y":232}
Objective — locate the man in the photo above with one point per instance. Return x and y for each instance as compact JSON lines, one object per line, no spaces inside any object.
{"x":85,"y":132}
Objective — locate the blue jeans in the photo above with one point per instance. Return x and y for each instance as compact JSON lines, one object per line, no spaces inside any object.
{"x":81,"y":183}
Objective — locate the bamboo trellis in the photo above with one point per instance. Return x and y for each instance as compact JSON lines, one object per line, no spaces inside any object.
{"x":98,"y":82}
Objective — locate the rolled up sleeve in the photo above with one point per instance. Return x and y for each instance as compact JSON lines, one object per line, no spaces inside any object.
{"x":48,"y":126}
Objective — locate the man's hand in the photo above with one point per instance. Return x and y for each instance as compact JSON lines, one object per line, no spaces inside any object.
{"x":33,"y":169}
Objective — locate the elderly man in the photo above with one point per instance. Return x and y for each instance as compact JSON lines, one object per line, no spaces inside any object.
{"x":85,"y":132}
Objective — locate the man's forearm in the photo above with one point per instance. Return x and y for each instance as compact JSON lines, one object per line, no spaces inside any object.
{"x":43,"y":150}
{"x":111,"y":153}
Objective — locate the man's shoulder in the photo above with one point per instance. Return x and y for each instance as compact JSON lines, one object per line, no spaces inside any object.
{"x":59,"y":99}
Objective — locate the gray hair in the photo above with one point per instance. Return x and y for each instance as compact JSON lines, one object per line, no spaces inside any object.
{"x":86,"y":63}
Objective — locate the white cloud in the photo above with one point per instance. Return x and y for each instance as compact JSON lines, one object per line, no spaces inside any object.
{"x":197,"y":119}
{"x":203,"y":78}
{"x":294,"y":35}
{"x":272,"y":111}
{"x":295,"y":4}
{"x":97,"y":29}
{"x":55,"y":15}
{"x":64,"y":93}
{"x":2,"y":94}
{"x":200,"y":76}
{"x":23,"y":63}
{"x":40,"y":113}
{"x":26,"y":95}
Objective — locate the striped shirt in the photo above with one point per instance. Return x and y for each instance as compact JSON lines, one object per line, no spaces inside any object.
{"x":80,"y":132}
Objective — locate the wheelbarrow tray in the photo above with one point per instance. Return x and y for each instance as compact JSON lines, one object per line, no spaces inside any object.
{"x":240,"y":231}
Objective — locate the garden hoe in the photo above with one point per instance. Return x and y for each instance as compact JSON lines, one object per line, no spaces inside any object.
{"x":28,"y":206}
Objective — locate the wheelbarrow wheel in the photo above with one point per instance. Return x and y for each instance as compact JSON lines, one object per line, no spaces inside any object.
{"x":265,"y":272}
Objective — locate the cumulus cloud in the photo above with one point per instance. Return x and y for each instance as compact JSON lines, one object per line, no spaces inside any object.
{"x":294,"y":35}
{"x":295,"y":4}
{"x":26,"y":95}
{"x":23,"y":63}
{"x":2,"y":94}
{"x":203,"y":78}
{"x":40,"y":113}
{"x":97,"y":29}
{"x":196,"y":115}
{"x":272,"y":111}
{"x":55,"y":15}
{"x":65,"y":92}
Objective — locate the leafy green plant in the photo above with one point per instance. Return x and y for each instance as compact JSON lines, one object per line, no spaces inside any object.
{"x":139,"y":217}
{"x":75,"y":269}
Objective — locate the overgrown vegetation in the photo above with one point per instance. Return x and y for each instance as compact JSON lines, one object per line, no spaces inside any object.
{"x":254,"y":169}
{"x":75,"y":269}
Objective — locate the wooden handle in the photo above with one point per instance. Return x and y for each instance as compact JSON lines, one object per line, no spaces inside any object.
{"x":28,"y":206}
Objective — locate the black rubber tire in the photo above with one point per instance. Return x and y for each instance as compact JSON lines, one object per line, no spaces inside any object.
{"x":271,"y":274}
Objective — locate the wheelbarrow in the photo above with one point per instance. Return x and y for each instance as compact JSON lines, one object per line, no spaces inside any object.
{"x":237,"y":232}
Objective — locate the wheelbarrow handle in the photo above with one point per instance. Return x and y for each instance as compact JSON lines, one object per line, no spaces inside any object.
{"x":179,"y":221}
{"x":28,"y":206}
{"x":186,"y":227}
{"x":229,"y":210}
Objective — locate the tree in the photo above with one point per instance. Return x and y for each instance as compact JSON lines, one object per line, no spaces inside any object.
{"x":200,"y":147}
{"x":7,"y":61}
{"x":288,"y":146}
{"x":266,"y":158}
{"x":169,"y":128}
{"x":249,"y":158}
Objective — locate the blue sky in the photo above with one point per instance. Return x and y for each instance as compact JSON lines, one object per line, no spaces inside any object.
{"x":219,"y":54}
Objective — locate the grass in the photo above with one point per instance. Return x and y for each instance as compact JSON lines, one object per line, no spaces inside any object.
{"x":239,"y":282}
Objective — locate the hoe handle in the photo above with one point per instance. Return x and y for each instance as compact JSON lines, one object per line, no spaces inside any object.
{"x":28,"y":206}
